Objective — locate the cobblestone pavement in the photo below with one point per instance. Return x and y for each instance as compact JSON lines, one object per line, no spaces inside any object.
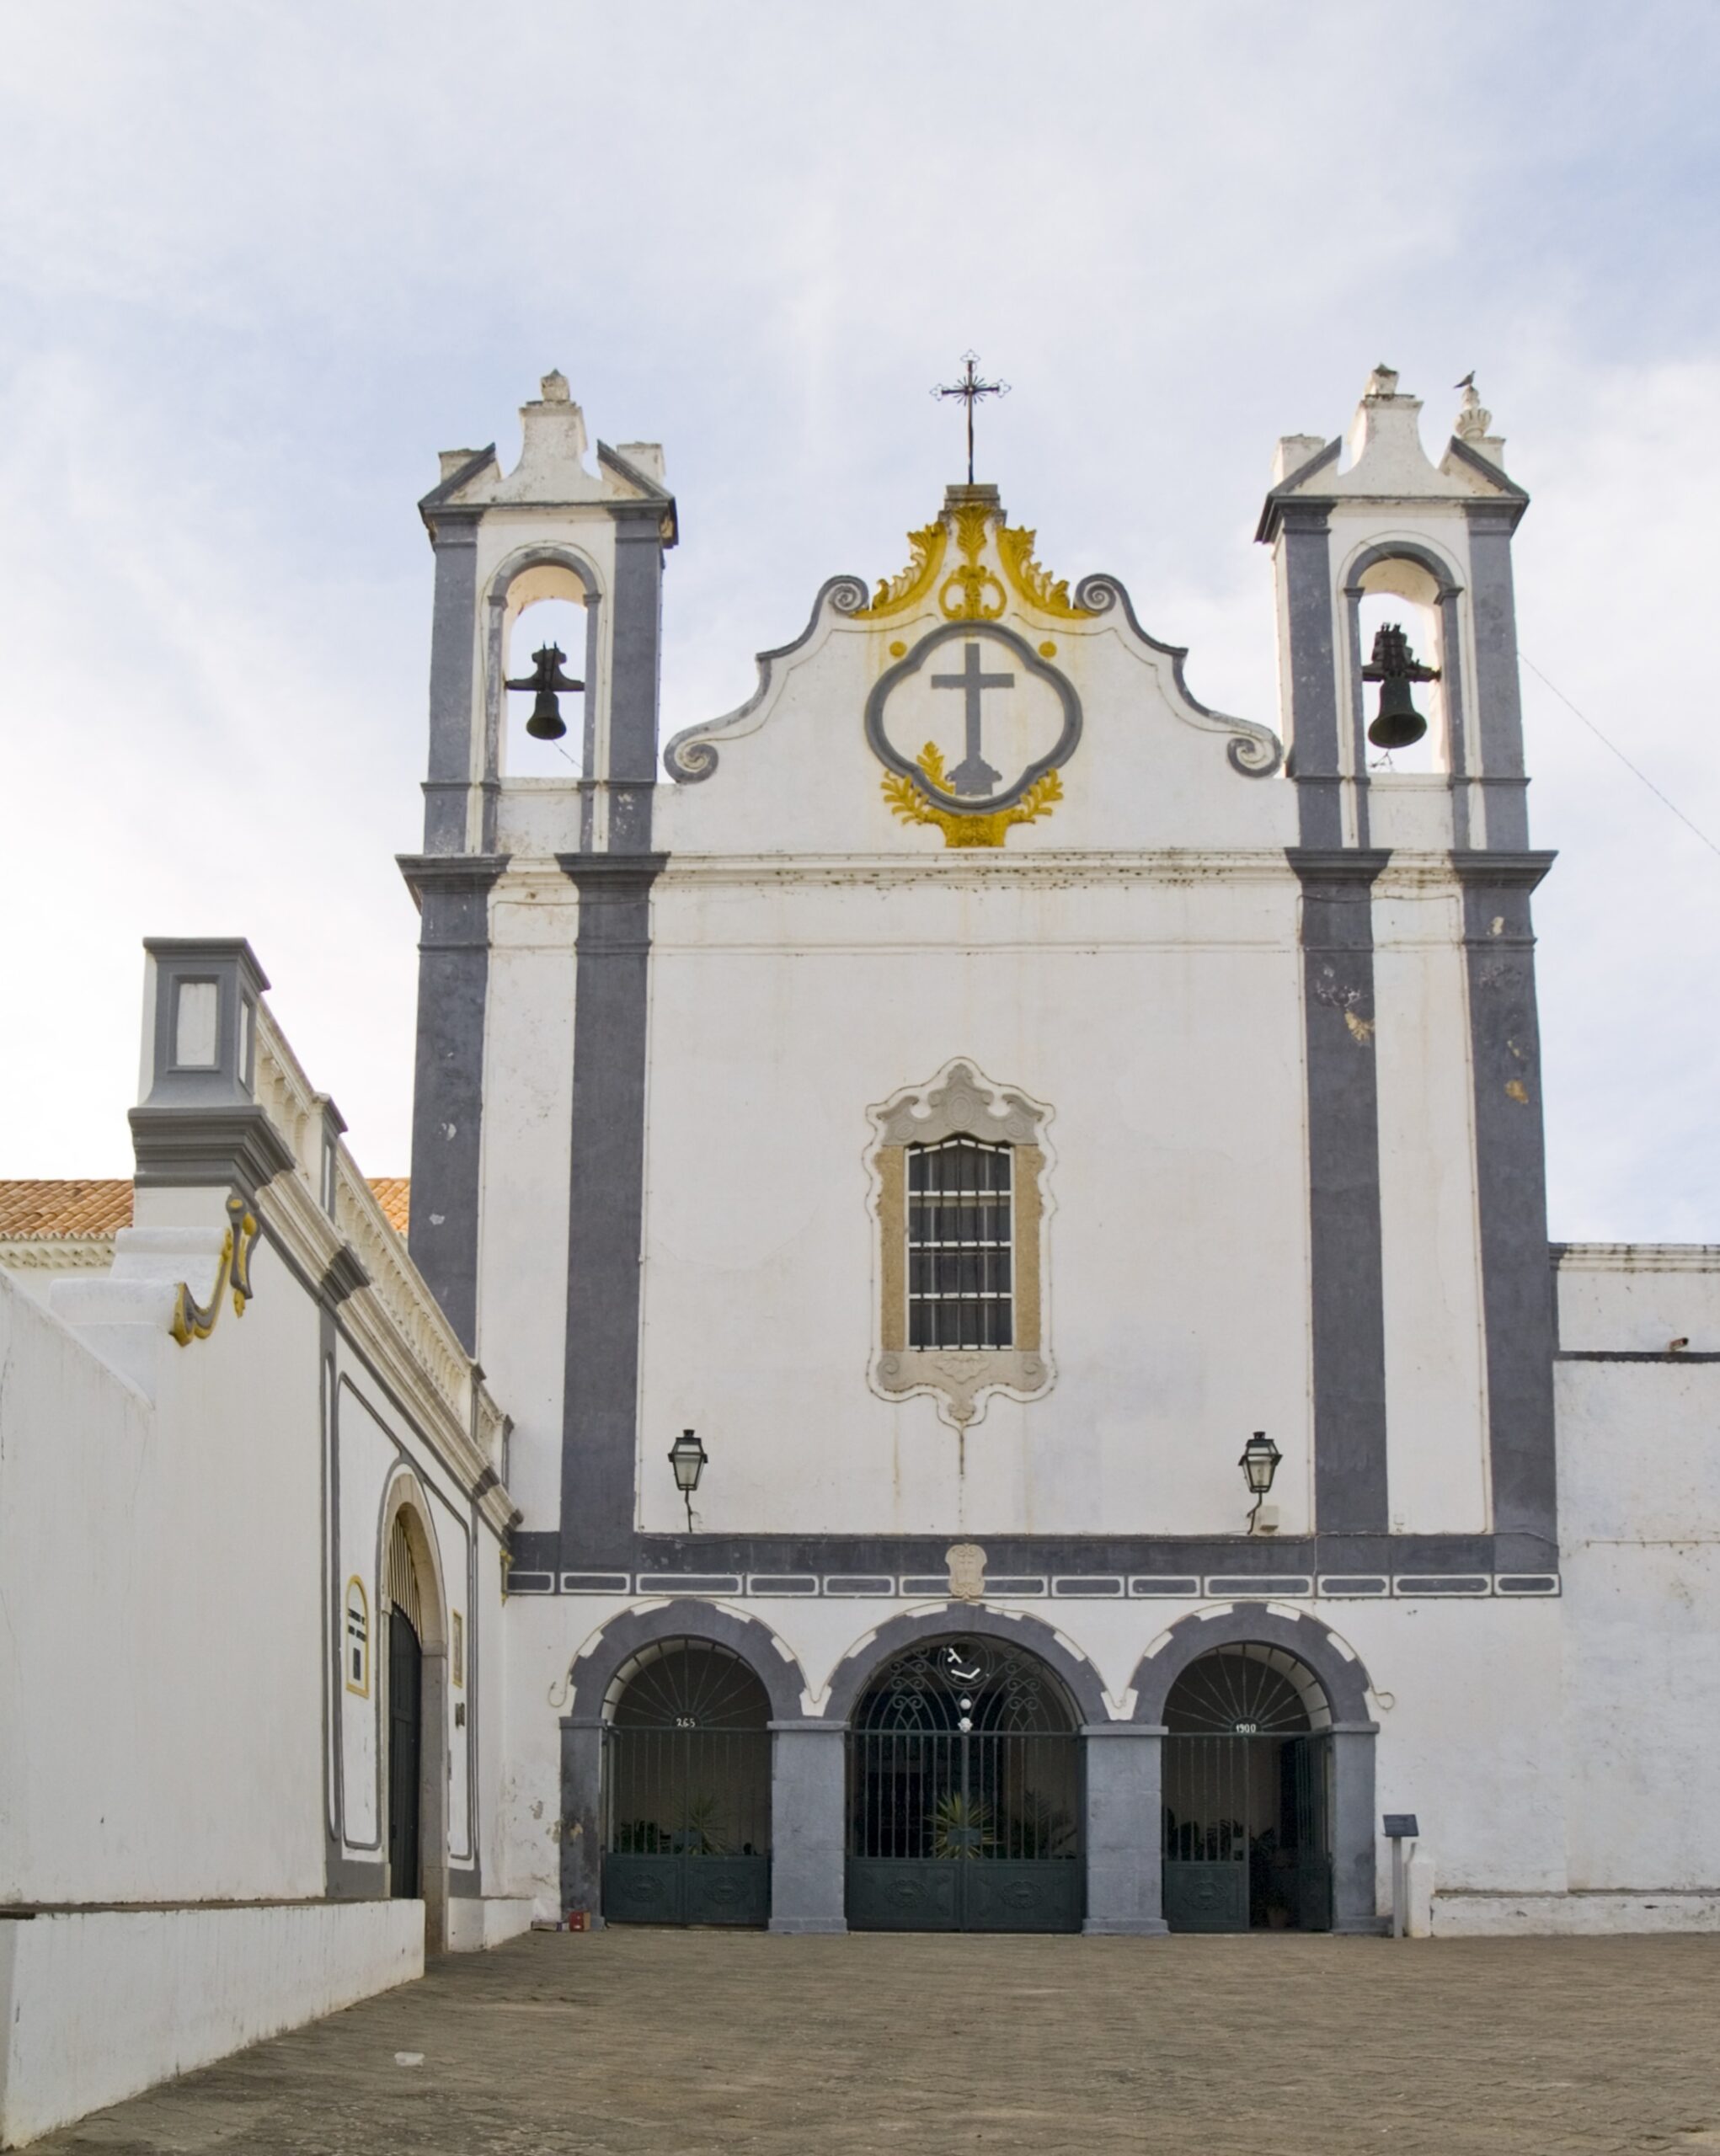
{"x":652,"y":2043}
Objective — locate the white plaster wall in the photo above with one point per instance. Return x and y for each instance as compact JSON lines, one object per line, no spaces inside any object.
{"x":1639,"y":1297}
{"x":160,"y":1685}
{"x":1467,"y":1694}
{"x":527,"y":1137}
{"x":1159,"y":1015}
{"x":367,"y":1458}
{"x":375,"y":1444}
{"x":1639,"y":1505}
{"x":1436,"y":1444}
{"x":97,"y":2006}
{"x":800,"y":778}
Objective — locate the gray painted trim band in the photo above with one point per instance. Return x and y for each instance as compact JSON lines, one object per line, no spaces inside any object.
{"x":1518,"y":1285}
{"x":1345,"y":1247}
{"x":1314,"y":761}
{"x":447,"y":1103}
{"x":599,"y":1413}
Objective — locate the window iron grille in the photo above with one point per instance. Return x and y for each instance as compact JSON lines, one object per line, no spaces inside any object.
{"x":961,"y":1245}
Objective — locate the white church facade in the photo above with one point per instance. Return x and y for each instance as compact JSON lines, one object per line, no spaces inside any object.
{"x":969,"y":1091}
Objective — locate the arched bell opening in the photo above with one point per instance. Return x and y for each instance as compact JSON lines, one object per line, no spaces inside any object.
{"x":542,"y":658}
{"x":543,"y":732}
{"x":1247,"y":1793}
{"x":687,"y":1788}
{"x":964,"y":1794}
{"x":1403,"y":660}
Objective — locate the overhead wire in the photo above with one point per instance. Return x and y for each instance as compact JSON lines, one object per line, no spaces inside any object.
{"x":1636,"y":770}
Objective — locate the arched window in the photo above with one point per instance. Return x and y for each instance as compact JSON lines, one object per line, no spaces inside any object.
{"x":961,"y":1245}
{"x":357,"y":1649}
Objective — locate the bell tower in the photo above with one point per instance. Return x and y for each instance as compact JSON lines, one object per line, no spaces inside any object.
{"x":1416,"y":887}
{"x":551,"y":529}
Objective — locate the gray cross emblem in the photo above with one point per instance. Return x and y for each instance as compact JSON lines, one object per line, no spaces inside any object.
{"x":973,"y":773}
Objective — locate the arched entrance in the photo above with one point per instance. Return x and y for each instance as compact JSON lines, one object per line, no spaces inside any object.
{"x":414,"y":1707}
{"x":405,"y":1753}
{"x":686,"y":1788}
{"x":1247,"y":1795}
{"x":964,"y":1794}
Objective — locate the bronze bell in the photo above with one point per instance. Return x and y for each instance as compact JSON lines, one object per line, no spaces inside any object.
{"x":545,"y":722}
{"x":1394,"y":666}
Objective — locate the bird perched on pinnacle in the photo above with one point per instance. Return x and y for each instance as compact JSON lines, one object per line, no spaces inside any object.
{"x":1467,"y":382}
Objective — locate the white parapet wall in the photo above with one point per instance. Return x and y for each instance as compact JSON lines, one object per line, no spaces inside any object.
{"x":1570,"y":1916}
{"x":95,"y":2005}
{"x":474,"y":1924}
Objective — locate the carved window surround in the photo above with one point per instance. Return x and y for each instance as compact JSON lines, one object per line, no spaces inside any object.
{"x":958,"y":1101}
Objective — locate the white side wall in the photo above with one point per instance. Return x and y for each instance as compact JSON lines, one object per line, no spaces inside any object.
{"x":94,"y":2007}
{"x":161,"y":1690}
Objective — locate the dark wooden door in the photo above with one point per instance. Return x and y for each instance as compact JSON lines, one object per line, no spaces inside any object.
{"x":405,"y":1748}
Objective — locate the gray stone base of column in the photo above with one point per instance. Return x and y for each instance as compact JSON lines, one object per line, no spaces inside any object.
{"x":1125,"y":1927}
{"x":809,"y":1927}
{"x":808,"y":1822}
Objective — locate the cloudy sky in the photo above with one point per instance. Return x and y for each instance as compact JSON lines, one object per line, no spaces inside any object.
{"x":258,"y":264}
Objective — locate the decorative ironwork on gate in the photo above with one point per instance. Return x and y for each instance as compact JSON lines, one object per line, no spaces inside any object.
{"x":687,"y":1785}
{"x":965,"y":1796}
{"x":1247,"y":1797}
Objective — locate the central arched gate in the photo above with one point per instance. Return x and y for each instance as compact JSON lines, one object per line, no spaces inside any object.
{"x":1247,"y":1795}
{"x":686,"y":1791}
{"x":965,"y":1796}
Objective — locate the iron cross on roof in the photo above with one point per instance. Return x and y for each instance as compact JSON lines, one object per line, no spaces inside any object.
{"x":970,"y":389}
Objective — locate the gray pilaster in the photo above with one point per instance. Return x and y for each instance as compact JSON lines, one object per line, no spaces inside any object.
{"x":808,"y":1825}
{"x":453,"y":652}
{"x":1347,"y":1315}
{"x":1314,"y":715}
{"x":606,"y":1201}
{"x":447,"y":1107}
{"x":636,"y":635}
{"x":581,"y":1796}
{"x":1517,"y":1280}
{"x":1498,"y":719}
{"x":1124,"y":1876}
{"x":1352,"y":1828}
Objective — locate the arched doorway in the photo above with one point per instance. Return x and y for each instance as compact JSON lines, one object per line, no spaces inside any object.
{"x":965,"y":1796}
{"x":406,"y":1747}
{"x":405,"y":1753}
{"x":686,"y":1788}
{"x":1247,"y":1795}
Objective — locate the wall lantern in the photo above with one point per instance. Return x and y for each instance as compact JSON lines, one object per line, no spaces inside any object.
{"x":687,"y":1457}
{"x":1259,"y":1463}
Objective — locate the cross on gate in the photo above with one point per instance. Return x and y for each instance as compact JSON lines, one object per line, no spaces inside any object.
{"x":973,"y":773}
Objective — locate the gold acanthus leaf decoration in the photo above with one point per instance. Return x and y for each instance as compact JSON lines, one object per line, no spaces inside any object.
{"x":896,"y":594}
{"x":906,"y":801}
{"x":972,"y":592}
{"x":1015,"y":548}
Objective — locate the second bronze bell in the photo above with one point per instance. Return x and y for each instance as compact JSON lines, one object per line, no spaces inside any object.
{"x":547,"y":678}
{"x":1398,"y":724}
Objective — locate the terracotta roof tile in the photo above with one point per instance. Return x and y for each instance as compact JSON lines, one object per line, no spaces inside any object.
{"x":85,"y":1206}
{"x":393,"y":1193}
{"x":82,"y":1207}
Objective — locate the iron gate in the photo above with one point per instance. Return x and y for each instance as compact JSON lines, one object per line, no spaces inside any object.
{"x":686,"y":1788}
{"x":1247,"y":1800}
{"x":964,"y":1796}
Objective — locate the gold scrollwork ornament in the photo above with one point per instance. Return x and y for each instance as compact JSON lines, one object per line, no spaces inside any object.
{"x":191,"y":1319}
{"x":906,"y":801}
